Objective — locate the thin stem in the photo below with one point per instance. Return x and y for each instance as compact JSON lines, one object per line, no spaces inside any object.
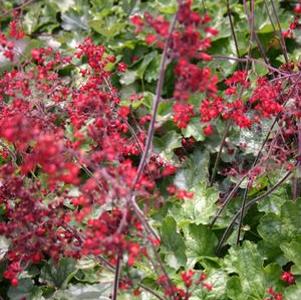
{"x":288,"y":76}
{"x":269,"y":15}
{"x":156,"y":103}
{"x":248,"y":206}
{"x":219,"y":153}
{"x":111,"y":268}
{"x":296,"y":177}
{"x":241,"y":59}
{"x":244,"y":201}
{"x":254,"y":163}
{"x":204,"y":6}
{"x":259,"y":153}
{"x":253,"y":31}
{"x":227,"y":200}
{"x":117,"y":277}
{"x":282,"y":42}
{"x":251,"y":22}
{"x":232,"y":28}
{"x":21,"y":6}
{"x":154,"y":293}
{"x":151,"y":130}
{"x":245,"y":195}
{"x":142,"y":217}
{"x":11,"y":152}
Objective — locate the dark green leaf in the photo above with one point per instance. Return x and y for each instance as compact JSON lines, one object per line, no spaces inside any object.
{"x":59,"y":274}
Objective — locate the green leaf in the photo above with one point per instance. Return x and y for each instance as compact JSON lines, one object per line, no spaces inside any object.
{"x":74,"y":21}
{"x":200,"y":241}
{"x":64,"y":5}
{"x":218,"y":278}
{"x":47,"y":18}
{"x":271,"y":252}
{"x":272,"y":229}
{"x":194,"y":170}
{"x":253,"y":138}
{"x":88,"y":292}
{"x":145,"y":63}
{"x":166,"y":144}
{"x":201,"y":208}
{"x":273,"y":203}
{"x":31,"y":18}
{"x":128,"y":77}
{"x":234,"y":289}
{"x":173,"y":241}
{"x":272,"y":274}
{"x":260,"y":68}
{"x":292,"y":253}
{"x":195,"y":129}
{"x":152,"y":72}
{"x":293,"y":292}
{"x":101,"y":4}
{"x":25,"y":290}
{"x":281,"y":228}
{"x":248,"y":264}
{"x":59,"y":274}
{"x":128,"y":5}
{"x":108,"y":27}
{"x":4,"y":245}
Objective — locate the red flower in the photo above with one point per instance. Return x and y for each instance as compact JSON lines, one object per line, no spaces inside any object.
{"x":187,"y":277}
{"x":288,"y":277}
{"x":122,"y":67}
{"x":169,"y":170}
{"x":137,"y":20}
{"x":150,"y":39}
{"x":208,"y":130}
{"x":297,"y":9}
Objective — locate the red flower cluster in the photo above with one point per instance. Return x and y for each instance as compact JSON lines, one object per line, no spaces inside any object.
{"x":264,"y":98}
{"x":185,"y":43}
{"x":289,"y":33}
{"x":182,"y":114}
{"x":188,"y":278}
{"x":179,"y":193}
{"x":274,"y":295}
{"x":57,"y":136}
{"x":263,"y":103}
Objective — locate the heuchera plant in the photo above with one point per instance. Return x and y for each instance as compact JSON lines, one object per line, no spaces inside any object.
{"x":67,"y":142}
{"x":77,"y":137}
